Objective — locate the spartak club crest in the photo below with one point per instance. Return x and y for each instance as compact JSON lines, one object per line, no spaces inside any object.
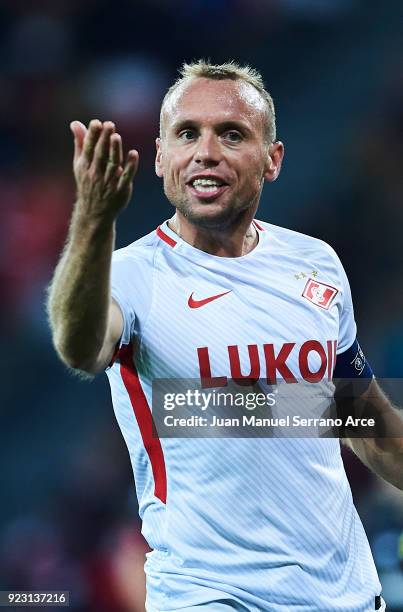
{"x":320,"y":294}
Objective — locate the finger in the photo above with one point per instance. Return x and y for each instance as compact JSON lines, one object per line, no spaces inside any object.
{"x":129,"y":171}
{"x":91,"y":139}
{"x":101,"y":151}
{"x":79,"y":131}
{"x":115,"y":157}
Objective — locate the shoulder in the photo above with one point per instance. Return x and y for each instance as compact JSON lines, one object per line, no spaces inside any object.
{"x":285,"y":240}
{"x":141,"y":251}
{"x":132,"y":277}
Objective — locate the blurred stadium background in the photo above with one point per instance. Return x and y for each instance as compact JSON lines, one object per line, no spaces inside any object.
{"x":335,"y":69}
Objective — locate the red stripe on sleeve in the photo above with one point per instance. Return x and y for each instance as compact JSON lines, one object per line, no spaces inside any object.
{"x":144,"y":419}
{"x":165,"y":237}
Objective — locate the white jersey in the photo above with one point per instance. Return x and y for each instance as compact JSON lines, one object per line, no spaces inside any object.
{"x":265,"y":523}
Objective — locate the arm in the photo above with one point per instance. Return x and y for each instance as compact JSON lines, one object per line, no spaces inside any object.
{"x":382,"y":453}
{"x":86,"y":323}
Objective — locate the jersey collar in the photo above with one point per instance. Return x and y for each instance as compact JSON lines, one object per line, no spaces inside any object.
{"x":169,"y":237}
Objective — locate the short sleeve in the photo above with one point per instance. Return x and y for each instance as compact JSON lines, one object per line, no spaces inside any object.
{"x":131,"y":288}
{"x":347,"y":325}
{"x":122,"y":298}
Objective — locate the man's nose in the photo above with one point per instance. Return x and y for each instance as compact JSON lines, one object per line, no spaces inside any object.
{"x":208,"y":149}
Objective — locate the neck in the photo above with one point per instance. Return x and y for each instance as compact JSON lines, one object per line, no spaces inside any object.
{"x":235,"y":241}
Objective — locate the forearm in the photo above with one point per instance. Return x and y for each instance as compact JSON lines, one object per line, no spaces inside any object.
{"x":383,"y":451}
{"x":79,"y":295}
{"x":387,"y":465}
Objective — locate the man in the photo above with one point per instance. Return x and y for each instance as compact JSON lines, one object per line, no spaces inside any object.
{"x":262,"y":524}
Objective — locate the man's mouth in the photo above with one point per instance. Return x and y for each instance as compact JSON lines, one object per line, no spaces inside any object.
{"x":207,"y":187}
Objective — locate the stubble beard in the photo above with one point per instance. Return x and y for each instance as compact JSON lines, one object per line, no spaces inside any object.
{"x":223,"y":219}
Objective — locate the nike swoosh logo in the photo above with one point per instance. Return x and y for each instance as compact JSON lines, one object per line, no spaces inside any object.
{"x":197,"y":303}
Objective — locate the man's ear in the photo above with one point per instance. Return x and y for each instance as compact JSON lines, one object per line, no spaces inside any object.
{"x":275,"y":155}
{"x":159,"y":171}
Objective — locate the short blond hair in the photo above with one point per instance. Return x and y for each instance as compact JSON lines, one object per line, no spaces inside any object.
{"x":230,"y":70}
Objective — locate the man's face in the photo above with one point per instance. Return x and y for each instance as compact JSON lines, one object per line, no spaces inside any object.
{"x":213,"y":156}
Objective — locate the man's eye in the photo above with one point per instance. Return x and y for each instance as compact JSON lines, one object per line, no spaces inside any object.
{"x":186,"y":135}
{"x":233,"y":136}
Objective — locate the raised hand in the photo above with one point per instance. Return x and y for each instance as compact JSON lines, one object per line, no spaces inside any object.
{"x":104,"y":183}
